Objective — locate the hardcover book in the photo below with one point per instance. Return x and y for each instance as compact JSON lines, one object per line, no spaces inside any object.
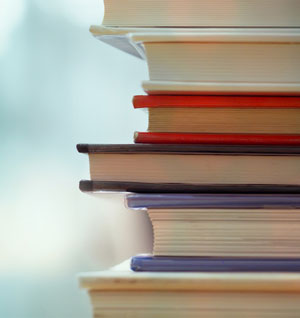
{"x":123,"y":293}
{"x":258,"y":61}
{"x":194,"y":164}
{"x":228,"y":118}
{"x":195,"y":13}
{"x":226,"y":232}
{"x":246,"y":61}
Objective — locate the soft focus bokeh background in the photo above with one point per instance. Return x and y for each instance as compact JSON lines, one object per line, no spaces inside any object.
{"x":59,"y":86}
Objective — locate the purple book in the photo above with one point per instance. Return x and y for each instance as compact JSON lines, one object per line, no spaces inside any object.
{"x":149,"y":263}
{"x":226,"y":201}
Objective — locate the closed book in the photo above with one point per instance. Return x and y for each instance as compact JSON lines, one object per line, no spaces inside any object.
{"x":194,"y":164}
{"x":124,"y":293}
{"x":149,"y":263}
{"x":195,"y":13}
{"x":245,"y":61}
{"x":232,"y":119}
{"x":269,"y":232}
{"x":240,"y":62}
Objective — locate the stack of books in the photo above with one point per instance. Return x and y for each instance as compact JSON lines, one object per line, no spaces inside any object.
{"x":218,"y":170}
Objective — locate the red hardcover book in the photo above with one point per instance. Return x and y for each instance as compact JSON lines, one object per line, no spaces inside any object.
{"x":218,"y":139}
{"x":146,"y":101}
{"x":246,"y":120}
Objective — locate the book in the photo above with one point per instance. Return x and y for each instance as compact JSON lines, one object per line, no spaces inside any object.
{"x":123,"y":293}
{"x":194,"y":13}
{"x":267,"y":63}
{"x":215,"y":114}
{"x":212,"y":200}
{"x":194,"y":164}
{"x":149,"y":263}
{"x":226,"y":232}
{"x":122,"y":38}
{"x":240,"y":60}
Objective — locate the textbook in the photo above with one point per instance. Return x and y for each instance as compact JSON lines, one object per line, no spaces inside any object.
{"x":194,"y":164}
{"x":195,"y":13}
{"x":123,"y":293}
{"x":149,"y":263}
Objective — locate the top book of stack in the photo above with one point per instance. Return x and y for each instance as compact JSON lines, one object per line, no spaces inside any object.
{"x":199,"y":13}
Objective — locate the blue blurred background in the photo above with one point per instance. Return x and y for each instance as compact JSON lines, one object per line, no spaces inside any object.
{"x":59,"y":86}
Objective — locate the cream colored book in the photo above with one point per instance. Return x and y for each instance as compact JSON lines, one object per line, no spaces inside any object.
{"x":199,"y":13}
{"x":234,"y":61}
{"x":203,"y":119}
{"x":226,"y":232}
{"x":194,"y":164}
{"x":122,"y":293}
{"x":261,"y":61}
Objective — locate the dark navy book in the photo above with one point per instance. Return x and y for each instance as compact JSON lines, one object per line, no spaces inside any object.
{"x":211,"y":201}
{"x":149,"y":263}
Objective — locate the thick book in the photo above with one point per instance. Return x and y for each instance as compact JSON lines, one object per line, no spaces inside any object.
{"x":244,"y":232}
{"x":240,"y":61}
{"x":124,"y":293}
{"x":212,"y":200}
{"x":267,"y":59}
{"x":149,"y":263}
{"x":238,"y":118}
{"x":195,"y":13}
{"x":194,"y":164}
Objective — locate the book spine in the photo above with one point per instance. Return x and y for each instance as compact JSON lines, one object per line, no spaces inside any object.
{"x":218,"y":139}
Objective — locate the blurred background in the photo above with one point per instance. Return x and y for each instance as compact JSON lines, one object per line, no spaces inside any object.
{"x":58,"y":87}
